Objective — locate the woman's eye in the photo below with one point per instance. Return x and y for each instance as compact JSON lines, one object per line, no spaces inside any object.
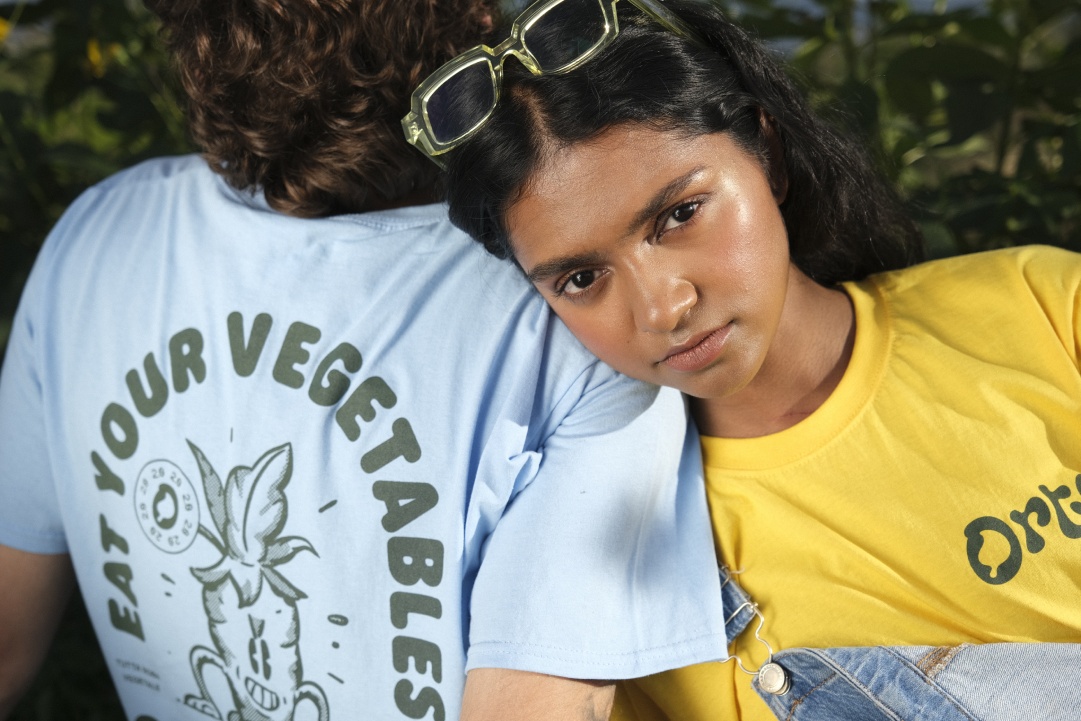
{"x":679,"y":215}
{"x":578,"y":282}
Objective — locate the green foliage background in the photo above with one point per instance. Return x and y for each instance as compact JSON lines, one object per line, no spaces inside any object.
{"x":975,"y":112}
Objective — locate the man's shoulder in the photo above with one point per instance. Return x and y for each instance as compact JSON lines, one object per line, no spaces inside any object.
{"x":191,"y":167}
{"x":135,"y":191}
{"x":175,"y":217}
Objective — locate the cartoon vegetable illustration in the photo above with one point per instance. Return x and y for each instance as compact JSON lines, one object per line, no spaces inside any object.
{"x":250,"y":606}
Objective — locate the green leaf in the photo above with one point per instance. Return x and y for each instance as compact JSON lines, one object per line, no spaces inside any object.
{"x":861,"y":102}
{"x":973,"y":107}
{"x":909,"y":88}
{"x":986,"y":30}
{"x":969,"y":73}
{"x":917,"y":23}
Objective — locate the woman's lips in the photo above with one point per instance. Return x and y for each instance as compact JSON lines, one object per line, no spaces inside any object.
{"x":699,"y":352}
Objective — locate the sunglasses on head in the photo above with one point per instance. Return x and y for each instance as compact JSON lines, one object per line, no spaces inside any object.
{"x":549,"y":37}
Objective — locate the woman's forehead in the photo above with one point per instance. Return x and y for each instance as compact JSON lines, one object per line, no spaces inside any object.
{"x":618,"y":161}
{"x":610,"y":159}
{"x":584,"y":195}
{"x":596,"y":173}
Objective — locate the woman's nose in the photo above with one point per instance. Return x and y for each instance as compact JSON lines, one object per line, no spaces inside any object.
{"x":662,"y":303}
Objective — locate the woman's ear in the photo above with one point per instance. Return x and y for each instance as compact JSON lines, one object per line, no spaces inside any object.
{"x":778,"y":174}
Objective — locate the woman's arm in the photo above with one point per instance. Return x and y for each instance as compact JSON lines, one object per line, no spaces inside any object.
{"x":493,"y":694}
{"x":34,"y":590}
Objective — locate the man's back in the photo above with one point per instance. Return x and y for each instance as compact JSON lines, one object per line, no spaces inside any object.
{"x":279,"y":449}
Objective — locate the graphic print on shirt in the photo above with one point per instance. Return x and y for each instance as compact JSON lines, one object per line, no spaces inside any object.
{"x":1037,"y":508}
{"x":203,"y":532}
{"x":250,"y":605}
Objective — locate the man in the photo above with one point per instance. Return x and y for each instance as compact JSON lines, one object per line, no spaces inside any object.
{"x":306,"y":448}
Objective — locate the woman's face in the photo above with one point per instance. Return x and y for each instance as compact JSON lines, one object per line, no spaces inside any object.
{"x":665,"y":254}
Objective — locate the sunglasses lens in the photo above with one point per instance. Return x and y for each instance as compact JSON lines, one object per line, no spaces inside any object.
{"x":565,"y":33}
{"x":461,"y":102}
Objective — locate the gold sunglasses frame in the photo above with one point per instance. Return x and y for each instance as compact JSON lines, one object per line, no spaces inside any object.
{"x":417,"y":125}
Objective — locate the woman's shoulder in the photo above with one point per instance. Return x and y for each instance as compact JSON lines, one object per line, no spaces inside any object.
{"x":999,"y":273}
{"x":1019,"y":293}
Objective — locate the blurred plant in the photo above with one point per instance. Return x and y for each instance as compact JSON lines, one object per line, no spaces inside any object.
{"x":976,"y":112}
{"x":84,"y":91}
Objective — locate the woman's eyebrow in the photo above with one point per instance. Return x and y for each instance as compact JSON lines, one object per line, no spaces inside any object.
{"x":559,"y":266}
{"x":663,"y":197}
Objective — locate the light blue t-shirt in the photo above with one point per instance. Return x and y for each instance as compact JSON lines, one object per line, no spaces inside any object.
{"x":329,"y":465}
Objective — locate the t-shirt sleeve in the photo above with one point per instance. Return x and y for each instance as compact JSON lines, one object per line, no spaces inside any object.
{"x":603,"y":566}
{"x":29,"y":513}
{"x":1054,"y":276}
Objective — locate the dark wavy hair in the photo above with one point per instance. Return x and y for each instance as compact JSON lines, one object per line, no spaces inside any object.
{"x":304,"y":98}
{"x":844,"y":220}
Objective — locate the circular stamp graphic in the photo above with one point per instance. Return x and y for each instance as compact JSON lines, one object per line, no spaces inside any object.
{"x":166,"y":506}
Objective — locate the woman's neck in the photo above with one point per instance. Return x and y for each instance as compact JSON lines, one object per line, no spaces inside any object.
{"x":806,"y":360}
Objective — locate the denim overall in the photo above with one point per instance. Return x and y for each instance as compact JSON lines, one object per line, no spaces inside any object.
{"x":982,"y":682}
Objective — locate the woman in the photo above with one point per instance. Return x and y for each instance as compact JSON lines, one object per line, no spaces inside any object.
{"x":892,"y":451}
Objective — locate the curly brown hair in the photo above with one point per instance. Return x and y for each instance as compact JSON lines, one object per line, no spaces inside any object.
{"x":304,"y":98}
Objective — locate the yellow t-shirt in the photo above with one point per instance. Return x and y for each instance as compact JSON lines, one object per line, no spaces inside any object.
{"x":933,"y":499}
